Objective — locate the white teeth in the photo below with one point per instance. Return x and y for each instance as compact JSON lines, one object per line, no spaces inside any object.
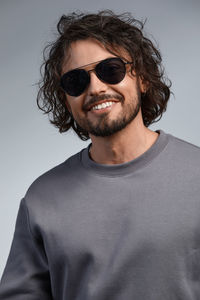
{"x":103,"y":105}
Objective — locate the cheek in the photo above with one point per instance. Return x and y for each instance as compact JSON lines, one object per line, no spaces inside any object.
{"x":71,"y":103}
{"x":74,"y":105}
{"x":129,"y":88}
{"x":126,"y":86}
{"x":131,"y":84}
{"x":68,"y":106}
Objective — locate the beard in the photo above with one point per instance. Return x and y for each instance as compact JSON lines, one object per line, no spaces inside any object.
{"x":104,"y":126}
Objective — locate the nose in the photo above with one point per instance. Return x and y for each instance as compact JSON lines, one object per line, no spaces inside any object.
{"x":96,"y":86}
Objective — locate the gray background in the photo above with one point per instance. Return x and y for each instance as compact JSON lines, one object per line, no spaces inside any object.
{"x":29,"y":144}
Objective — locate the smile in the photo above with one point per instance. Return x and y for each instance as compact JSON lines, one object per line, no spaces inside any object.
{"x":102,"y":105}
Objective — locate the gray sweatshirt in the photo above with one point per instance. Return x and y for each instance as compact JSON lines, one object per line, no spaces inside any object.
{"x":88,"y":231}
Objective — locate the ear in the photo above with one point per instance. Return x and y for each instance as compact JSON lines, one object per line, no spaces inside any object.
{"x":143,"y":85}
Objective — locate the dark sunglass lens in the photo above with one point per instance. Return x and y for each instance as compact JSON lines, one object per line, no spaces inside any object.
{"x":75,"y":82}
{"x":111,"y":70}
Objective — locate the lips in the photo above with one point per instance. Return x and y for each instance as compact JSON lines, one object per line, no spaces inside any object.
{"x":100,"y":102}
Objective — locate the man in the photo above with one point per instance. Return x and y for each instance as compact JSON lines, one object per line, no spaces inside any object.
{"x":120,"y":219}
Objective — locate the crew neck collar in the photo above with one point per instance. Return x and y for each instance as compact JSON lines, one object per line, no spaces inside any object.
{"x":128,"y":167}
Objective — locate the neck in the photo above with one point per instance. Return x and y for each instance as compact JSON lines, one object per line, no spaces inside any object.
{"x":123,"y":146}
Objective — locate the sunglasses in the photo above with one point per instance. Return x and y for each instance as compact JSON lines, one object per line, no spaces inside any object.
{"x":110,"y":70}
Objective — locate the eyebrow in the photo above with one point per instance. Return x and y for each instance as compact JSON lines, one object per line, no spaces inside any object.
{"x":96,"y":62}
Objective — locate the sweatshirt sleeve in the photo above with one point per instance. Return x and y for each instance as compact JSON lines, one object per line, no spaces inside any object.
{"x":26,"y":274}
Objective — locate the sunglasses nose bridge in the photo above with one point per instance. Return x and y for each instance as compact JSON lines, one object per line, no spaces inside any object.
{"x":96,"y":85}
{"x":94,"y":70}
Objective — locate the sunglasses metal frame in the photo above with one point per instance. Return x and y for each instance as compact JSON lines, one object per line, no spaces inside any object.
{"x":93,"y":69}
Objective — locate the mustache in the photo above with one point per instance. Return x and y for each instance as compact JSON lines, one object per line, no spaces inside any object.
{"x":96,"y":98}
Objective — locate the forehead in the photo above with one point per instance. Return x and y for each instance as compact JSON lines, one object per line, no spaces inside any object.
{"x":84,"y":52}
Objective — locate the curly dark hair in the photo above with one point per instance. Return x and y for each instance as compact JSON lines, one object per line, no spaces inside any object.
{"x":113,"y":31}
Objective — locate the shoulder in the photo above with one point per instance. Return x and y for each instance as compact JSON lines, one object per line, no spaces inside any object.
{"x":53,"y":182}
{"x":183,"y":156}
{"x":184,"y":148}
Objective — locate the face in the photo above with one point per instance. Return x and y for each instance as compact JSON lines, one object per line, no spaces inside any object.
{"x":122,"y":100}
